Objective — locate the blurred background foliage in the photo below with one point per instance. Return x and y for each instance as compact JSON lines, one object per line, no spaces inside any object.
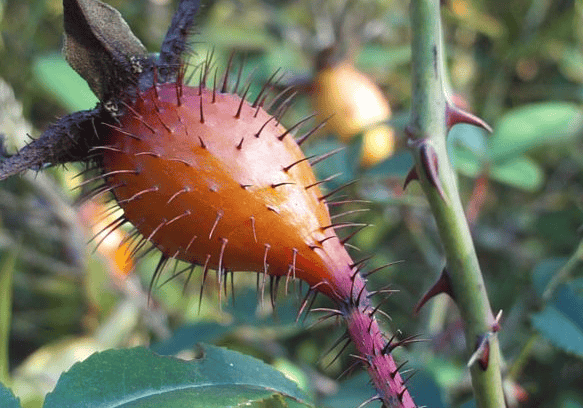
{"x":518,"y":64}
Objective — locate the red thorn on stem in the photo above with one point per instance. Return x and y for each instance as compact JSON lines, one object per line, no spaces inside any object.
{"x":482,"y":353}
{"x":443,"y":285}
{"x":430,"y":166}
{"x":496,"y":325}
{"x":455,"y":115}
{"x":412,"y":175}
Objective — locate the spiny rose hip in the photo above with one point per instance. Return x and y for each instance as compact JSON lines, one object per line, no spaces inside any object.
{"x":207,"y":177}
{"x":213,"y":180}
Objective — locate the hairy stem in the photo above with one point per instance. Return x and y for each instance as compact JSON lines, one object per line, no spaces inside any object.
{"x":427,"y":133}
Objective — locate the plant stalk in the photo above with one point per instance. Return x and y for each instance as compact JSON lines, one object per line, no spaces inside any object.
{"x":427,"y":133}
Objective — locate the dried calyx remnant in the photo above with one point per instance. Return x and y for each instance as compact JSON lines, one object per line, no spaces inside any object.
{"x":208,"y":178}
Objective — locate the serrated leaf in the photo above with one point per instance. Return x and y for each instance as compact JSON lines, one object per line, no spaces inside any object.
{"x":534,"y":125}
{"x":7,"y":399}
{"x":138,"y":377}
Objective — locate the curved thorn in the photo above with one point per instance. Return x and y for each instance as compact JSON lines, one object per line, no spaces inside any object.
{"x":455,"y":115}
{"x":443,"y":285}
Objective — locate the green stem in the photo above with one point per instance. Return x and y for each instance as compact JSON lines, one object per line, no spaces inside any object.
{"x":6,"y":277}
{"x":572,"y":265}
{"x":427,"y":133}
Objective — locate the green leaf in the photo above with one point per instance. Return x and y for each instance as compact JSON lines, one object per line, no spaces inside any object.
{"x":139,"y":378}
{"x":52,"y":71}
{"x":397,"y":165}
{"x":544,"y":271}
{"x":7,"y":399}
{"x":534,"y":125}
{"x":561,"y":323}
{"x":522,"y":173}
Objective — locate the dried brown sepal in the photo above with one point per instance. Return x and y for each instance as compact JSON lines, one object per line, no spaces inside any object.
{"x":101,"y":47}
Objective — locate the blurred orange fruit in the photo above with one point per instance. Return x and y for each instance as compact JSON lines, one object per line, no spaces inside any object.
{"x":354,"y":104}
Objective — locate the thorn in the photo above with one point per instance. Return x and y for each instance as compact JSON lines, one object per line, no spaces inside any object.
{"x":346,"y":213}
{"x":184,"y":190}
{"x":284,"y":183}
{"x":390,"y":346}
{"x":263,"y":126}
{"x":138,"y":194}
{"x":408,"y":378}
{"x":380,"y":268}
{"x":312,"y":292}
{"x":202,"y":145}
{"x":326,"y":156}
{"x":220,"y":267}
{"x":336,"y":190}
{"x":349,"y":369}
{"x":265,"y":268}
{"x":264,"y":87}
{"x":122,"y":131}
{"x":278,"y":96}
{"x":283,"y":108}
{"x":292,"y":269}
{"x":291,"y":129}
{"x":253,"y":228}
{"x":241,"y":66}
{"x":204,"y":275}
{"x":214,"y":100}
{"x":346,"y":344}
{"x":317,"y":183}
{"x":272,"y":208}
{"x":288,"y":168}
{"x":309,"y":133}
{"x":240,"y":108}
{"x":190,"y":272}
{"x":190,"y":243}
{"x":482,"y":353}
{"x":368,"y":401}
{"x":394,"y":373}
{"x":349,"y":237}
{"x":455,"y":115}
{"x":431,"y":167}
{"x":377,"y":308}
{"x":201,"y":111}
{"x":412,"y":175}
{"x":220,"y":214}
{"x":240,"y":145}
{"x":361,"y":262}
{"x":496,"y":325}
{"x":443,"y":285}
{"x":227,"y":71}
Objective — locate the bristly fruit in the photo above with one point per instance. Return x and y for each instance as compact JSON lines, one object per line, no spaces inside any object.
{"x":207,"y":177}
{"x":211,"y":179}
